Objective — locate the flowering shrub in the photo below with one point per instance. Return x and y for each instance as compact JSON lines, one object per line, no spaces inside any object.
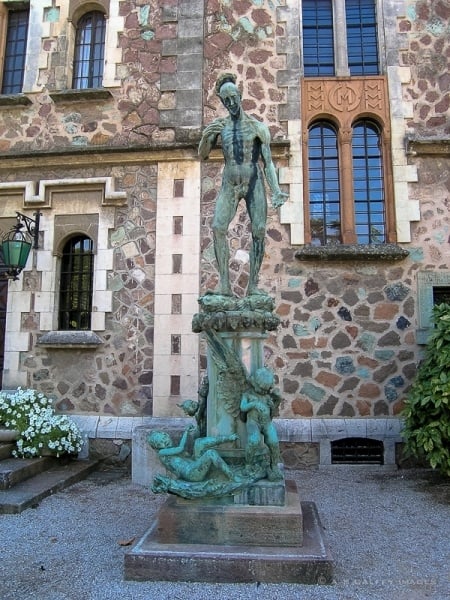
{"x":40,"y":428}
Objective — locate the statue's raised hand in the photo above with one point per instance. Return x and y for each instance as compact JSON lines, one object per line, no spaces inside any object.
{"x":214,"y":128}
{"x":209,"y":137}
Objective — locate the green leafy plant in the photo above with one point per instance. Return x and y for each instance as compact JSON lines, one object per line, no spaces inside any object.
{"x":427,"y":409}
{"x":40,"y":429}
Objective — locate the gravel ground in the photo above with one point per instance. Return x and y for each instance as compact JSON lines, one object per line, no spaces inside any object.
{"x":389,"y":533}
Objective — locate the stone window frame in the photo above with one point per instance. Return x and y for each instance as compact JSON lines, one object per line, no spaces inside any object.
{"x":77,"y":9}
{"x":57,"y":22}
{"x":53,"y":197}
{"x":407,"y":209}
{"x":426,"y":281}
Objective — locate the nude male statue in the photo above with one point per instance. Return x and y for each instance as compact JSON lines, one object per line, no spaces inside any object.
{"x":245,"y":141}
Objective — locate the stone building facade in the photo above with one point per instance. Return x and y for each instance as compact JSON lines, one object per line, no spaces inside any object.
{"x":118,"y":163}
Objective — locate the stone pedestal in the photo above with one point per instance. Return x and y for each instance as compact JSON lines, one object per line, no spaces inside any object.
{"x":261,"y":531}
{"x":211,"y":542}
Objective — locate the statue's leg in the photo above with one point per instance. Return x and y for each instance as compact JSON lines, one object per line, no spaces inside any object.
{"x":225,"y":210}
{"x":257,"y":210}
{"x":202,"y":444}
{"x":253,"y":442}
{"x":202,"y":465}
{"x":271,"y":440}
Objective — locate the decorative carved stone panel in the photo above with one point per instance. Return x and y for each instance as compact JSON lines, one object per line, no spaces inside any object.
{"x":346,"y":99}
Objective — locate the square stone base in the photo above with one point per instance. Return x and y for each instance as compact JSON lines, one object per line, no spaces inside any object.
{"x":160,"y":555}
{"x":214,"y":522}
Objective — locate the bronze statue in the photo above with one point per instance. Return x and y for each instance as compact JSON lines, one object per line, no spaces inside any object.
{"x":196,"y":467}
{"x":197,"y":409}
{"x":200,"y":475}
{"x":244,"y":142}
{"x":260,"y":404}
{"x":237,"y":405}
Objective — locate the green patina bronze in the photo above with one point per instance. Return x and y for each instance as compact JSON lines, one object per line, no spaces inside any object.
{"x":234,"y":443}
{"x":245,"y":142}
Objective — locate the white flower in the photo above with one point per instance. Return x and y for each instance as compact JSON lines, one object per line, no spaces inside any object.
{"x":42,"y":426}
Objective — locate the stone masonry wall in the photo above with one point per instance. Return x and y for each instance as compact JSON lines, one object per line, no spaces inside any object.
{"x":116,"y":378}
{"x":149,"y":105}
{"x":428,"y":55}
{"x":242,"y":37}
{"x":346,"y":344}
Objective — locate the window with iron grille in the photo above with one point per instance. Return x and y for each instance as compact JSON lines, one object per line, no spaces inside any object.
{"x":364,"y":210}
{"x":441,"y":294}
{"x":339,"y":38}
{"x":15,"y":51}
{"x":356,"y":451}
{"x":75,"y":295}
{"x":89,"y":51}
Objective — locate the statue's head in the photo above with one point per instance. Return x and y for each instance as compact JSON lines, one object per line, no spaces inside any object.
{"x":204,"y":386}
{"x":159,"y":440}
{"x":263,"y":378}
{"x":229,"y":93}
{"x":189,"y":407}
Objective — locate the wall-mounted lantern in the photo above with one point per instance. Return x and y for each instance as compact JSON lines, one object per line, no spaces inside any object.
{"x":16,"y":245}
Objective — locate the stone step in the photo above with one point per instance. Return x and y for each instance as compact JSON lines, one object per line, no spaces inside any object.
{"x":15,"y":470}
{"x":5,"y":449}
{"x":30,"y":492}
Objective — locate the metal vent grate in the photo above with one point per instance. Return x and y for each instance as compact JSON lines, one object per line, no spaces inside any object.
{"x":357,"y":451}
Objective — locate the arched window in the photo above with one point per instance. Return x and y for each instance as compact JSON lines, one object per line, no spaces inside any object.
{"x":324,"y":192}
{"x":75,"y":295}
{"x":368,"y":184}
{"x":89,"y":51}
{"x":345,"y":185}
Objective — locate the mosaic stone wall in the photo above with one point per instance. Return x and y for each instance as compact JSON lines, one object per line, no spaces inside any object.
{"x":428,"y":55}
{"x":130,"y":117}
{"x":242,"y":37}
{"x":116,"y":378}
{"x":346,"y":346}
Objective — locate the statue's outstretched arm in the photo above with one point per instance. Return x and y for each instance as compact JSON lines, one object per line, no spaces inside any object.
{"x":177,"y":449}
{"x":278,"y":197}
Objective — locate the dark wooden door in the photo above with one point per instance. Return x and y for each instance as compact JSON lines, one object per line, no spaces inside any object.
{"x":3,"y":305}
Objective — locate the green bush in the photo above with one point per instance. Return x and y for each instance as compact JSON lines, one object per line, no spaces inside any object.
{"x":427,"y":409}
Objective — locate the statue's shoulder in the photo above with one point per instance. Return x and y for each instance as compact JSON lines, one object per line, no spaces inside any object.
{"x":220,"y":121}
{"x":260,"y":128}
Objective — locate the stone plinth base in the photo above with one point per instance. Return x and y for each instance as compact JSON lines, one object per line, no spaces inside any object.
{"x":202,"y":542}
{"x":182,"y":521}
{"x":264,"y":493}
